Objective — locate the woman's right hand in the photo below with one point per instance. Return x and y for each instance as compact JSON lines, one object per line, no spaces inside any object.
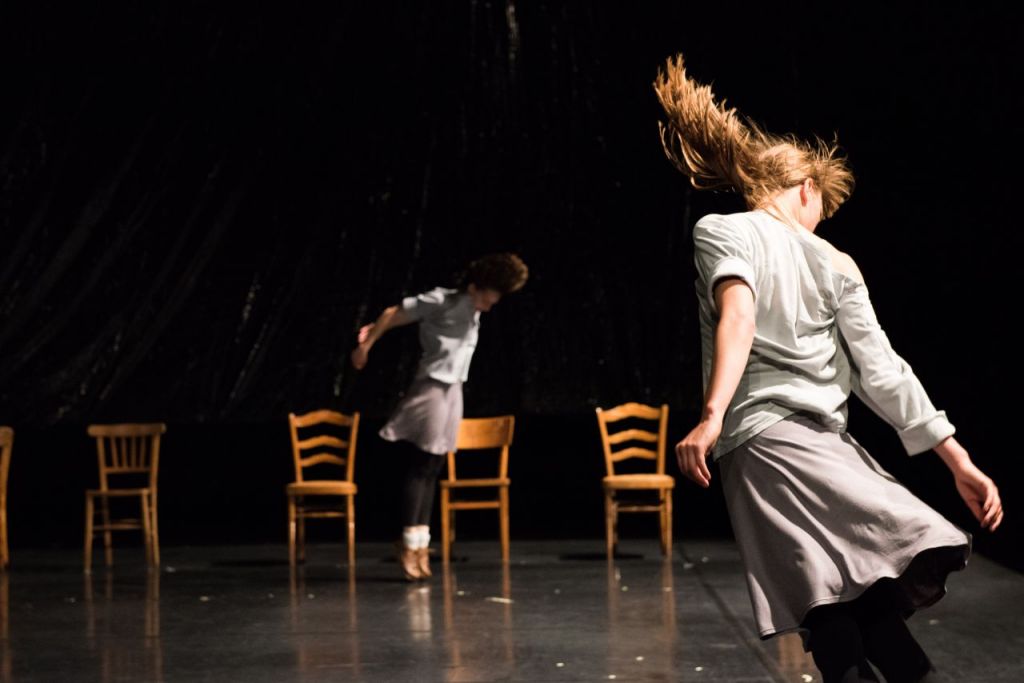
{"x":692,"y":452}
{"x":364,"y":332}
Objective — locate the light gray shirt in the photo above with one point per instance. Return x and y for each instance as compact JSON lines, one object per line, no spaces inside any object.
{"x":449,"y":327}
{"x":816,"y":339}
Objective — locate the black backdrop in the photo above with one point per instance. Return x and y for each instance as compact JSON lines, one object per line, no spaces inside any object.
{"x":201,"y":203}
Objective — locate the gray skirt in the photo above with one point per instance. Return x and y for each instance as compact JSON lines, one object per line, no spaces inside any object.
{"x":818,"y":521}
{"x":428,"y":416}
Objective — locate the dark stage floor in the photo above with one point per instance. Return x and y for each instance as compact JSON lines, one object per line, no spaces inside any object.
{"x":560,"y":612}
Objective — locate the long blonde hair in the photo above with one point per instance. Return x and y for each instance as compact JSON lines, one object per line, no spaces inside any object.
{"x":716,"y":149}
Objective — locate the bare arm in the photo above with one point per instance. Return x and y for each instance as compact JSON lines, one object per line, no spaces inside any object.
{"x":734,"y":337}
{"x":977,"y":490}
{"x":393,"y":316}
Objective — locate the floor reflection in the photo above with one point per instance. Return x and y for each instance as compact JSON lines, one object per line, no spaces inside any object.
{"x":417,"y":599}
{"x":478,"y":628}
{"x":793,"y":661}
{"x":5,"y":626}
{"x":561,"y":612}
{"x":633,"y":601}
{"x":320,"y":651}
{"x":122,"y":658}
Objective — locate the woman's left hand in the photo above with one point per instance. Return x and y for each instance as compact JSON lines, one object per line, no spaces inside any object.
{"x":977,"y":490}
{"x":981,"y":495}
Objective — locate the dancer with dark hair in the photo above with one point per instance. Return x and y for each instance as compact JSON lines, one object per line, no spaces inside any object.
{"x":834,"y":547}
{"x":426,"y":421}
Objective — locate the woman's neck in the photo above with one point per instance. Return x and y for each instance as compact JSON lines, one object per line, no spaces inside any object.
{"x":785,"y":207}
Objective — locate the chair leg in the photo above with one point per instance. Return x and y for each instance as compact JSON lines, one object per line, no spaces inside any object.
{"x":89,"y":512}
{"x":302,"y":535}
{"x":661,"y":520}
{"x":451,"y":525}
{"x":291,"y":530}
{"x":154,"y":529}
{"x":668,"y":522}
{"x":5,"y":555}
{"x":446,"y":523}
{"x":350,"y":518}
{"x":609,"y":523}
{"x":503,"y":520}
{"x":147,"y":530}
{"x":108,"y":552}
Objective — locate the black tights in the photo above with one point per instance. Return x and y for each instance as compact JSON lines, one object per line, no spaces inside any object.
{"x":844,"y":637}
{"x":421,"y":470}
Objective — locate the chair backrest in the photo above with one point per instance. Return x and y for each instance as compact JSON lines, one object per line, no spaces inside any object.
{"x":321,"y":441}
{"x":6,"y":443}
{"x":482,"y":433}
{"x":127,"y":448}
{"x":616,"y":444}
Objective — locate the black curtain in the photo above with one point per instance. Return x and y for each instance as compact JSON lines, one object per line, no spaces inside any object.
{"x":200,"y":203}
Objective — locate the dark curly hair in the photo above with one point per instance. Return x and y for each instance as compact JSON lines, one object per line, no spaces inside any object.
{"x":504,"y":272}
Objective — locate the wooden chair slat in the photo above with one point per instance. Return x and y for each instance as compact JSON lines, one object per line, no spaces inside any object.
{"x":127,"y":429}
{"x":322,"y":440}
{"x":631,"y":410}
{"x":634,"y":452}
{"x":321,"y":458}
{"x":480,"y":433}
{"x":323,"y":417}
{"x":632,"y":435}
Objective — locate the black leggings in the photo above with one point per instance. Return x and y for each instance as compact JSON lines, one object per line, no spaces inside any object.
{"x":845,"y":637}
{"x":421,"y":470}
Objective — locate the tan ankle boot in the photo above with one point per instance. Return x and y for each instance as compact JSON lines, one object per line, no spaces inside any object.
{"x":423,"y":562}
{"x":408,"y":559}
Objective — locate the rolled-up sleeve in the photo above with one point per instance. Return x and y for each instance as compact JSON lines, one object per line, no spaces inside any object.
{"x":883,"y":380}
{"x":422,"y":305}
{"x":722,"y":249}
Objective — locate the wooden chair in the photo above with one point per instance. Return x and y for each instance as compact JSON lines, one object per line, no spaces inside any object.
{"x":320,"y":444}
{"x":6,"y":443}
{"x":654,"y":481}
{"x":124,"y":450}
{"x":478,"y":434}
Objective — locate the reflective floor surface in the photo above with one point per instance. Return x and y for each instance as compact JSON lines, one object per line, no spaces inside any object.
{"x":559,"y":612}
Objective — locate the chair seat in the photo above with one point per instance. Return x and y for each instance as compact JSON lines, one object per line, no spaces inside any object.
{"x":473,"y":483}
{"x":639,"y":481}
{"x":321,"y":488}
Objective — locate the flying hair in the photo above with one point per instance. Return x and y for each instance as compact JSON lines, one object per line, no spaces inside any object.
{"x":715,"y":148}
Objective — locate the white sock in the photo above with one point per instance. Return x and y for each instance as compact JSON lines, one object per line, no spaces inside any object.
{"x":424,"y":537}
{"x":410,"y":537}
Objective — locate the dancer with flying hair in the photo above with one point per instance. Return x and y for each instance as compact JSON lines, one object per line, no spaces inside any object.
{"x":834,"y":547}
{"x":425,"y":423}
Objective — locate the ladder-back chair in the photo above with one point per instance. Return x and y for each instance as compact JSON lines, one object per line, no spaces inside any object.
{"x":130,"y":450}
{"x":483,"y":433}
{"x":322,"y":437}
{"x":6,"y":444}
{"x":617,"y":448}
